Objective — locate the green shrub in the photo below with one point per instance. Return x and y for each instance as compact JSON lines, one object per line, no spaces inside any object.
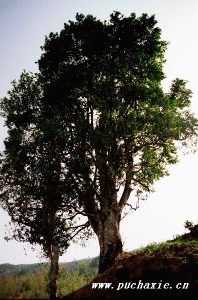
{"x":33,"y":286}
{"x":188,"y":225}
{"x":95,"y":262}
{"x":75,"y":278}
{"x":25,"y":285}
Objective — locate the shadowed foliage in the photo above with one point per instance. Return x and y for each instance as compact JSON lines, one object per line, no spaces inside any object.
{"x":104,"y":79}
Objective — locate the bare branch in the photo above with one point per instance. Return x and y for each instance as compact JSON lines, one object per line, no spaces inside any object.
{"x":134,"y":208}
{"x":82,"y":227}
{"x":142,"y":184}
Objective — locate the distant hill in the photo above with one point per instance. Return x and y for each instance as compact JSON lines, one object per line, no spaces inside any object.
{"x":169,"y":269}
{"x":25,"y":269}
{"x":19,"y":270}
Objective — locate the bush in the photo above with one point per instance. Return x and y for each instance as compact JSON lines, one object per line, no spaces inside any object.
{"x":188,"y":225}
{"x":33,"y":286}
{"x":95,"y":262}
{"x":75,"y":277}
{"x":24,"y":287}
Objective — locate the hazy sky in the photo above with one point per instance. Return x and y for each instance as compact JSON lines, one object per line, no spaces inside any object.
{"x":23,"y":27}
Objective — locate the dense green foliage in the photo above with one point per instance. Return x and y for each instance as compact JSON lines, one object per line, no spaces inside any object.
{"x":34,"y":191}
{"x":105,"y":79}
{"x":33,"y":285}
{"x":94,"y":119}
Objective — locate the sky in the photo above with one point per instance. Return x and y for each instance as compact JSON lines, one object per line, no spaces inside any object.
{"x":23,"y":27}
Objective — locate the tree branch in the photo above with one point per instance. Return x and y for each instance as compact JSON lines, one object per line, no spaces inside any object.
{"x":83,"y":226}
{"x":142,"y":184}
{"x":125,"y":195}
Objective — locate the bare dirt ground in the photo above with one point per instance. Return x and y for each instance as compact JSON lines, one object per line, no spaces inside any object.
{"x":170,"y":270}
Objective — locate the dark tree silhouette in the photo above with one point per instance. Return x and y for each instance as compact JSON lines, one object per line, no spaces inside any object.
{"x":35,"y":189}
{"x":107,"y":122}
{"x":106,"y":77}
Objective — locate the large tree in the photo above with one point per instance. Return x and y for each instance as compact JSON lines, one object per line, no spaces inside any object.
{"x":99,"y":124}
{"x":105,"y":78}
{"x":34,"y":187}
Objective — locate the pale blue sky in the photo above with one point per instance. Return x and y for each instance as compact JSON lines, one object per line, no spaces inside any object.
{"x":23,"y":26}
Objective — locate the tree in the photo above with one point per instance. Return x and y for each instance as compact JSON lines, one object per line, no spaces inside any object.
{"x":93,"y":121}
{"x":106,"y":78}
{"x":34,"y":187}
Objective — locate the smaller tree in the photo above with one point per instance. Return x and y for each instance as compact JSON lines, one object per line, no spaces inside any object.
{"x":188,"y":225}
{"x":35,"y":189}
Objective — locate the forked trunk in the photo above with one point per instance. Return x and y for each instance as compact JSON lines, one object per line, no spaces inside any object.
{"x":53,"y":272}
{"x":109,"y":240}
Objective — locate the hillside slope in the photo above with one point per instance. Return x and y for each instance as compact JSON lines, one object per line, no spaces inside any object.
{"x":26,"y":269}
{"x":20,"y":270}
{"x":169,"y":268}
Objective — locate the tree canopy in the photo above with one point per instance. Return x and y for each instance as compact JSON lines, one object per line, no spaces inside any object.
{"x":35,"y":189}
{"x":105,"y":78}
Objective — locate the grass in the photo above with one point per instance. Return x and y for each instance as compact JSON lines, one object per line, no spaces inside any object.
{"x":33,"y":286}
{"x":24,"y":287}
{"x":165,"y":246}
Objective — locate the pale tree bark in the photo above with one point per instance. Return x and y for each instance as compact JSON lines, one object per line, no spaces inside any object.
{"x":106,"y":225}
{"x":53,"y":271}
{"x":109,"y":240}
{"x":105,"y":214}
{"x":105,"y":220}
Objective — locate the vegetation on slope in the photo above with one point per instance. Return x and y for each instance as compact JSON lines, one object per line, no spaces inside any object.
{"x":30,"y":281}
{"x":165,"y":264}
{"x":170,"y":267}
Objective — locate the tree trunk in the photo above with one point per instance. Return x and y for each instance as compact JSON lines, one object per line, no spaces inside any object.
{"x":109,"y":240}
{"x":53,"y":271}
